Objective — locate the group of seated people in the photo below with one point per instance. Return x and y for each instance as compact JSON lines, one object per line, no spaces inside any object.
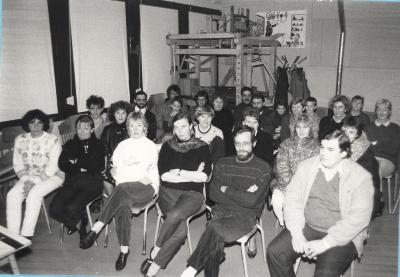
{"x":324,"y":175}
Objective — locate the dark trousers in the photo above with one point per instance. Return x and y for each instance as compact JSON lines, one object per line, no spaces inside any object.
{"x":69,"y":203}
{"x":331,"y":263}
{"x":123,"y":198}
{"x":177,"y":206}
{"x":223,"y":228}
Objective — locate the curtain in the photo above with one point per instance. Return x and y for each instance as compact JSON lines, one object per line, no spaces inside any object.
{"x":156,"y":23}
{"x":27,"y":71}
{"x":99,"y":46}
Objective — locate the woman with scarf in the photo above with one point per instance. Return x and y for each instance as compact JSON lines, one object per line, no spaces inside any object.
{"x":112,"y":135}
{"x":300,"y":146}
{"x":362,"y":153}
{"x":82,"y":160}
{"x":184,"y":165}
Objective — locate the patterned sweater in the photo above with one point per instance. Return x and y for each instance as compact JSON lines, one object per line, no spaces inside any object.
{"x":291,"y":152}
{"x":36,"y":156}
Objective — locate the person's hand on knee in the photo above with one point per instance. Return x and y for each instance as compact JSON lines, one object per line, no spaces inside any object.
{"x":299,"y":243}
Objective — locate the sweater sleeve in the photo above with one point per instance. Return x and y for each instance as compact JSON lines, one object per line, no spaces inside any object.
{"x":215,"y":187}
{"x":250,"y":199}
{"x":153,"y":169}
{"x":163,"y":159}
{"x":284,"y":173}
{"x":54,"y":153}
{"x":18,"y":162}
{"x":68,"y":154}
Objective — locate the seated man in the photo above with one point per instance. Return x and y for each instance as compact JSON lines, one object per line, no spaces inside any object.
{"x":141,"y":106}
{"x":327,"y":209}
{"x":239,"y":188}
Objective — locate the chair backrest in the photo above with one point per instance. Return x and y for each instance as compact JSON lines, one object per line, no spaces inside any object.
{"x":7,"y":138}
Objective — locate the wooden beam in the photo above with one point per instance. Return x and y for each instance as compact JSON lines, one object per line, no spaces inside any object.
{"x":206,"y":51}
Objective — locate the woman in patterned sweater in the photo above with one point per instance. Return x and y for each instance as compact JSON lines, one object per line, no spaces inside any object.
{"x":36,"y":165}
{"x":300,"y":146}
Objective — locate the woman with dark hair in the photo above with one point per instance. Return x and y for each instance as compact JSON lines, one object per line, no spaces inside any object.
{"x":135,"y":171}
{"x":164,"y":109}
{"x":36,"y":166}
{"x":223,"y":119}
{"x":277,"y":123}
{"x":184,"y":164}
{"x":340,"y":106}
{"x":176,"y":107}
{"x":201,"y":99}
{"x":95,"y":106}
{"x":362,"y":153}
{"x":82,"y":160}
{"x":112,"y":135}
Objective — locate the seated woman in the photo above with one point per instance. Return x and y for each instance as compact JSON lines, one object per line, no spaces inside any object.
{"x":384,"y":136}
{"x":36,"y":165}
{"x":300,"y":146}
{"x":175,"y":108}
{"x":208,"y":133}
{"x":362,"y":153}
{"x":277,"y":123}
{"x":201,"y":99}
{"x":136,"y":173}
{"x":82,"y":160}
{"x":184,"y":164}
{"x":223,"y":119}
{"x":112,"y":135}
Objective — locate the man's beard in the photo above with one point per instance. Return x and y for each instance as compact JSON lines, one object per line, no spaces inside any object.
{"x":242,"y":156}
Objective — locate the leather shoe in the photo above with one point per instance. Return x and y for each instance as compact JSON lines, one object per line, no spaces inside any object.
{"x":88,"y":240}
{"x":121,"y":261}
{"x":71,"y":231}
{"x":251,"y":254}
{"x":145,"y":266}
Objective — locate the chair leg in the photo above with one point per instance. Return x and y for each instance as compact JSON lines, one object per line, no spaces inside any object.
{"x":297,"y":265}
{"x":46,"y":217}
{"x":14,"y":265}
{"x":144,"y":231}
{"x":242,"y":246}
{"x":188,"y":237}
{"x":106,"y":237}
{"x":396,"y":204}
{"x":61,"y":233}
{"x":262,"y":241}
{"x":157,"y":229}
{"x":389,"y":183}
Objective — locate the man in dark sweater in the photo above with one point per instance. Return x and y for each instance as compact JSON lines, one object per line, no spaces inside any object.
{"x":239,"y":188}
{"x":247,"y":94}
{"x":141,"y":106}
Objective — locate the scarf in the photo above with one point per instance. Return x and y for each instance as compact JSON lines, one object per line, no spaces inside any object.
{"x":185,"y":146}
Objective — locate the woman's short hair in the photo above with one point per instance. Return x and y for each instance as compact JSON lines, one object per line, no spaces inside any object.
{"x":296,"y":101}
{"x":35,"y":114}
{"x":384,"y":102}
{"x":95,"y":100}
{"x":204,"y":110}
{"x":182,"y":115}
{"x":202,"y":93}
{"x":351,"y":122}
{"x":119,"y":105}
{"x":173,"y":88}
{"x":344,"y":141}
{"x":85,"y":118}
{"x":250,"y":111}
{"x":217,"y":95}
{"x":341,"y":98}
{"x":177,"y":99}
{"x":243,"y":129}
{"x":303,"y":118}
{"x":134,"y":116}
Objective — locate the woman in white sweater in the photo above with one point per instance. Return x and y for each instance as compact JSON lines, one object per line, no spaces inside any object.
{"x":136,"y":172}
{"x":36,"y":165}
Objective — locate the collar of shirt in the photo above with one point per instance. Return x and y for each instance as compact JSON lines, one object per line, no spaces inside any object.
{"x":331,"y":172}
{"x":137,"y":109}
{"x":386,"y":123}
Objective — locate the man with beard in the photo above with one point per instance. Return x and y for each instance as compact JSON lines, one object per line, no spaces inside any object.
{"x":239,"y":188}
{"x":246,"y":94}
{"x":141,"y":106}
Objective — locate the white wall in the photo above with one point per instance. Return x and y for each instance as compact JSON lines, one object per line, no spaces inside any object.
{"x":372,"y":56}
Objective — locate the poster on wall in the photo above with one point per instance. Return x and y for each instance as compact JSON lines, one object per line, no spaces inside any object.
{"x":292,"y":24}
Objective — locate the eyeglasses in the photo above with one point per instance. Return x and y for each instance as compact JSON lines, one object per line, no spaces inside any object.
{"x":243,"y":144}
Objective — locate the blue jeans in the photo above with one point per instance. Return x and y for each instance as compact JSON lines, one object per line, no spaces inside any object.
{"x":331,"y":263}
